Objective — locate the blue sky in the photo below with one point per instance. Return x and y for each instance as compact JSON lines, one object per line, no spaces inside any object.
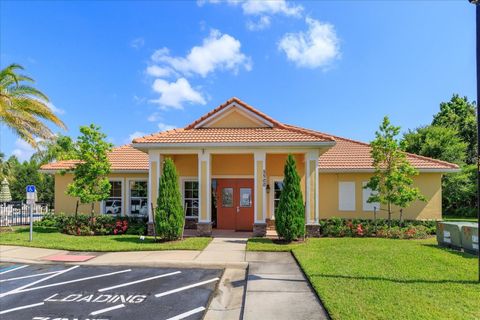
{"x":338,"y":67}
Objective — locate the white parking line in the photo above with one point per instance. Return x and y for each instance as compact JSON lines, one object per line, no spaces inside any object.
{"x":94,"y":313}
{"x":139,"y":281}
{"x":158,"y":295}
{"x":72,"y":281}
{"x":30,"y":276}
{"x":14,"y":269}
{"x":22,"y":307}
{"x":20,"y":289}
{"x":187,"y":314}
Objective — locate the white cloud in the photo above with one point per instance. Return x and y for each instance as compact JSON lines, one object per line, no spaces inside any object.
{"x":262,"y":23}
{"x":164,"y":127}
{"x":55,"y":109}
{"x":136,"y":134}
{"x":157,"y":71}
{"x":137,"y":43}
{"x":218,"y":51}
{"x":263,"y":8}
{"x":23,"y":151}
{"x":255,"y":7}
{"x":154,"y":117}
{"x":174,"y":94}
{"x":138,"y":99}
{"x":317,"y":47}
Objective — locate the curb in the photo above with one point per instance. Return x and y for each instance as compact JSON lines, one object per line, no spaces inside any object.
{"x":165,"y":264}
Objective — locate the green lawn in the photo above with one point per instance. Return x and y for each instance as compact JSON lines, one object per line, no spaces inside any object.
{"x":454,"y":218}
{"x":368,"y":278}
{"x":48,"y":238}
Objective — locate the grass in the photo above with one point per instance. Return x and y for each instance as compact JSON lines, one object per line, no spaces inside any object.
{"x":51,"y":239}
{"x":455,"y":218}
{"x":369,"y":278}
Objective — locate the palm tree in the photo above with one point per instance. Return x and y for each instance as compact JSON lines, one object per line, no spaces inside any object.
{"x":22,"y":107}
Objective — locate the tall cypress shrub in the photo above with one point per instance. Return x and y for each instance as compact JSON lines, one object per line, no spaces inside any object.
{"x":290,"y":215}
{"x":169,"y":211}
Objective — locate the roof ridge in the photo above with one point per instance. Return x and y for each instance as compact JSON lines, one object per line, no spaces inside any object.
{"x":310,"y":132}
{"x":453,"y":165}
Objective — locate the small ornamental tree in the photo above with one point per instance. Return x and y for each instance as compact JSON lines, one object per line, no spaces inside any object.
{"x":392,"y":182}
{"x":169,"y":212}
{"x":90,"y":176}
{"x":290,"y":215}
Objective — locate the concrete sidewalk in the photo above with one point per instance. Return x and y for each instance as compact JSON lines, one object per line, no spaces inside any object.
{"x":274,"y":285}
{"x":277,"y":287}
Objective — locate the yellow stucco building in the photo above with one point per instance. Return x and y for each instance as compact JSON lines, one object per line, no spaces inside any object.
{"x":230,"y":163}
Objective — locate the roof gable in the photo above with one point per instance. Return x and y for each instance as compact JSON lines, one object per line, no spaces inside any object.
{"x":234,"y":109}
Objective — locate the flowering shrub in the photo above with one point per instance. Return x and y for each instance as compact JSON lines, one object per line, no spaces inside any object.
{"x":337,"y":227}
{"x":85,"y":225}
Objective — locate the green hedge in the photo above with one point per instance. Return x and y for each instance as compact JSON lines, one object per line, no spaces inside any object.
{"x":411,"y":229}
{"x":85,"y":225}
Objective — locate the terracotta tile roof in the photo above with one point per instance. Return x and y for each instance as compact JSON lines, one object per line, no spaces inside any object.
{"x":232,"y":135}
{"x":124,"y":158}
{"x":278,"y":133}
{"x":349,"y":154}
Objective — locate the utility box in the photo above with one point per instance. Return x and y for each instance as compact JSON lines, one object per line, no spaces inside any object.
{"x":470,"y":238}
{"x":449,"y":234}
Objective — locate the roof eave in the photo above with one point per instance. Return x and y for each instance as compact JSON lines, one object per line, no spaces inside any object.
{"x":371,"y":170}
{"x":54,"y":171}
{"x":146,"y":146}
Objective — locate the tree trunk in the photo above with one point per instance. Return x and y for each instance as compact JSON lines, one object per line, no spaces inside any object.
{"x":389,"y":215}
{"x":76,"y":211}
{"x":401,"y":217}
{"x":93,"y":209}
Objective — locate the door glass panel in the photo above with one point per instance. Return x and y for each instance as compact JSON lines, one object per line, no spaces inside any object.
{"x":227,"y":197}
{"x":245,"y":197}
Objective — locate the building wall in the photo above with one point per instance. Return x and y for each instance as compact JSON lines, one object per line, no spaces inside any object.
{"x":274,"y":168}
{"x":66,"y":204}
{"x":235,"y":119}
{"x":429,"y":184}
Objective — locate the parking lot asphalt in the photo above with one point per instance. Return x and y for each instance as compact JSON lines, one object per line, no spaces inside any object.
{"x":66,"y":292}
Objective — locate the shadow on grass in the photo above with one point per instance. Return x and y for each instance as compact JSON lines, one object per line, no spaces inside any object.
{"x":273,"y":241}
{"x":452,"y":251}
{"x":403,"y":281}
{"x":36,"y":229}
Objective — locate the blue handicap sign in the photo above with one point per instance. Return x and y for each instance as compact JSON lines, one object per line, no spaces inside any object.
{"x":30,"y":188}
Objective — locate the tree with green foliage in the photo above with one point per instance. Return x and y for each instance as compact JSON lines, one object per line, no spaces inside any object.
{"x":290,"y":215}
{"x":23,"y":108}
{"x":90,"y":176}
{"x":451,"y":137}
{"x":392,"y":182}
{"x":437,"y":142}
{"x":459,"y":114}
{"x":59,"y":148}
{"x":169,"y":215}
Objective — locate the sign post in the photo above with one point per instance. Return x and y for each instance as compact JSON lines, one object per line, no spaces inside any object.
{"x":31,"y":193}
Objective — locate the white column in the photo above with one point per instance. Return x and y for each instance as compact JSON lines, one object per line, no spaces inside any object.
{"x":154,"y":173}
{"x":311,"y":188}
{"x":260,"y":184}
{"x":204,"y":187}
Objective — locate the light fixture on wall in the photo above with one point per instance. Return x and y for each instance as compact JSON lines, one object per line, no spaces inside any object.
{"x":268,"y":188}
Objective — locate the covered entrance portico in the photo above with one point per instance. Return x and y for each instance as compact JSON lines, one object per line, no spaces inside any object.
{"x":230,"y":162}
{"x":234,"y":188}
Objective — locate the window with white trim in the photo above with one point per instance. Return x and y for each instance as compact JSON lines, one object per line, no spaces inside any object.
{"x":277,"y":191}
{"x":138,"y":197}
{"x":190,"y":198}
{"x":366,"y":193}
{"x":113,"y":204}
{"x":346,"y":196}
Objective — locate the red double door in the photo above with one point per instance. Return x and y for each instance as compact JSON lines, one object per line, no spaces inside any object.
{"x":235,"y":203}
